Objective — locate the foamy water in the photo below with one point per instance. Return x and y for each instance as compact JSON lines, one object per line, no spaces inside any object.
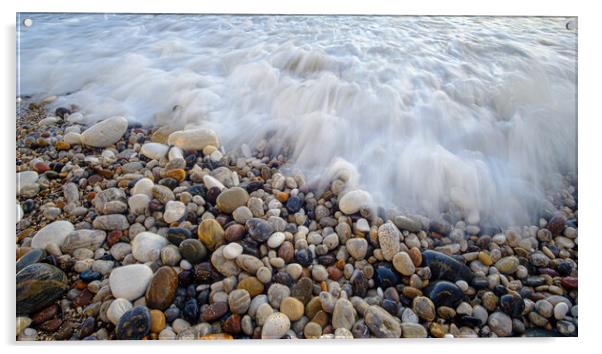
{"x":476,"y":114}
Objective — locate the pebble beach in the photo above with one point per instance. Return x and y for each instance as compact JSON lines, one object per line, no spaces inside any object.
{"x":131,"y":232}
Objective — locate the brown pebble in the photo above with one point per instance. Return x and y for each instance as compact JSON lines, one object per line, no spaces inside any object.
{"x":485,"y":258}
{"x":234,"y":232}
{"x":411,"y":292}
{"x":232,"y":324}
{"x":281,"y":196}
{"x":569,"y":282}
{"x":83,"y":299}
{"x":437,"y":330}
{"x":41,"y":167}
{"x":334,"y":273}
{"x":286,"y":251}
{"x":113,"y":237}
{"x":214,"y":311}
{"x":61,"y":145}
{"x":45,"y":314}
{"x":415,"y":256}
{"x":489,"y":300}
{"x":157,"y":321}
{"x":51,"y":325}
{"x":321,"y":318}
{"x":178,"y":174}
{"x":252,"y":285}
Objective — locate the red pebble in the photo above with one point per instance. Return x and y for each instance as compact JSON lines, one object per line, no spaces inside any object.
{"x":569,"y":282}
{"x":41,"y":167}
{"x":113,"y":237}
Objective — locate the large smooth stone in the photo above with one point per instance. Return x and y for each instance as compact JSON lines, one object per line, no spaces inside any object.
{"x":211,"y":234}
{"x":53,"y":233}
{"x":162,"y":289}
{"x":39,"y":285}
{"x":445,"y":267}
{"x":154,"y":151}
{"x":388,"y":238}
{"x":445,"y":293}
{"x":110,"y":201}
{"x":72,"y":138}
{"x":381,"y":323}
{"x":407,"y":223}
{"x":90,"y":239}
{"x":139,"y":203}
{"x":500,"y":324}
{"x":134,"y":324}
{"x":231,"y":199}
{"x":343,"y":315}
{"x":193,"y":251}
{"x":146,"y":246}
{"x":174,"y":211}
{"x":111,"y":222}
{"x":222,"y":264}
{"x":143,"y":186}
{"x":355,"y":200}
{"x":106,"y":132}
{"x":131,"y":281}
{"x":193,"y":139}
{"x":357,"y":247}
{"x":275,"y":326}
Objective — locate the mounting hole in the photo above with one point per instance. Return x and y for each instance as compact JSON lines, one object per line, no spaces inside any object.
{"x":571,"y":25}
{"x":27,"y":22}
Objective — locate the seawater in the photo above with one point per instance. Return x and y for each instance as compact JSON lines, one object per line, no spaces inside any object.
{"x":476,"y":114}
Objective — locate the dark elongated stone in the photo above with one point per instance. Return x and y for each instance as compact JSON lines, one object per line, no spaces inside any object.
{"x":445,"y":293}
{"x":191,"y":311}
{"x":39,"y":285}
{"x":359,"y":283}
{"x":31,"y":257}
{"x":385,"y":277}
{"x":134,"y":324}
{"x":162,"y":288}
{"x":445,"y":267}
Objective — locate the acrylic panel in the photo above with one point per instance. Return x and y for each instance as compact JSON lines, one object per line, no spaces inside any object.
{"x":283,"y":176}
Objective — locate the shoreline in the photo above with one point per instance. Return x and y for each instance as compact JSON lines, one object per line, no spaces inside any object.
{"x":299,"y":264}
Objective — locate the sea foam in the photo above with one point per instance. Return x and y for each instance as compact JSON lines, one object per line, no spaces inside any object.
{"x":426,"y":113}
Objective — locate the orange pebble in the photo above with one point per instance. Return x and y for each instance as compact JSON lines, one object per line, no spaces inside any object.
{"x":281,"y":196}
{"x":217,"y":336}
{"x":178,"y":174}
